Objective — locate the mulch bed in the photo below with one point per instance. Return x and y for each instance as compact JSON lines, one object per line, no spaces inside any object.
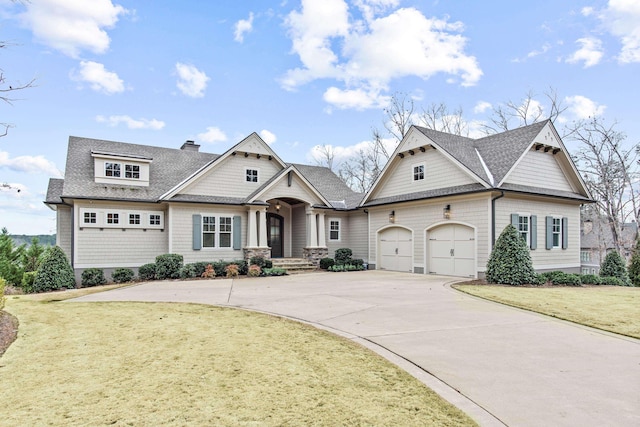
{"x":8,"y":330}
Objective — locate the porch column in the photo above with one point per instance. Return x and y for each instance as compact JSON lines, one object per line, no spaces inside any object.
{"x":262,"y":220}
{"x":321,"y":237}
{"x":312,"y":229}
{"x":252,"y":228}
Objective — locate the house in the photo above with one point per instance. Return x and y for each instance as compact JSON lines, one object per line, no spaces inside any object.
{"x":596,"y":240}
{"x":437,"y":206}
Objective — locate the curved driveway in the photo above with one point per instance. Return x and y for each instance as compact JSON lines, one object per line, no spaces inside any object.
{"x":501,"y":365}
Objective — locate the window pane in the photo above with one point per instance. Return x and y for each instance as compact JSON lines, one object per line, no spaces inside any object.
{"x":132,"y":171}
{"x":225,"y":240}
{"x":208,"y":240}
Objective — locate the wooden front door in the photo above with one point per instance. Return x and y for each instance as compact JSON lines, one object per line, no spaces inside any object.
{"x":275,"y":235}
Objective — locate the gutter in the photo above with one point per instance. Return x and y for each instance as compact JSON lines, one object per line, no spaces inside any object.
{"x":493,"y":218}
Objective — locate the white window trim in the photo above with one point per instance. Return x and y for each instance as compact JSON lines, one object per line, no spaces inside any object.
{"x":123,"y":218}
{"x":339,"y":221}
{"x":246,"y":170}
{"x":528,"y":216}
{"x":559,"y":219}
{"x":424,"y":171}
{"x":216,"y":234}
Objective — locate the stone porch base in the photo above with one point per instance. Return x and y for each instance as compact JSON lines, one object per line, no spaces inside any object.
{"x":314,"y":255}
{"x":252,"y":252}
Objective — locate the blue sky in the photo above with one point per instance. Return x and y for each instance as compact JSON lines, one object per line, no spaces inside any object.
{"x":300,"y":73}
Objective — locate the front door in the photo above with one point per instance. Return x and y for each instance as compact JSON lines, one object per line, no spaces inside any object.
{"x":275,"y":231}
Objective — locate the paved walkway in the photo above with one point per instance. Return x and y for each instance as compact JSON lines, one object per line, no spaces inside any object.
{"x":501,"y":365}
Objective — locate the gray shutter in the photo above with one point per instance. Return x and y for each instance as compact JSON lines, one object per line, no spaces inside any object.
{"x":197,"y":232}
{"x":533,"y":232}
{"x":549,"y":232}
{"x":565,"y":233}
{"x":515,"y":219}
{"x":237,"y":232}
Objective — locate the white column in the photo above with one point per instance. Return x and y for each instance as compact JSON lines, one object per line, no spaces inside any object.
{"x":262,"y":220}
{"x":252,"y":228}
{"x":321,"y":236}
{"x":312,"y":229}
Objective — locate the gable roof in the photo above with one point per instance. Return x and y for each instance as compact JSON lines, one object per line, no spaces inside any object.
{"x":599,"y":236}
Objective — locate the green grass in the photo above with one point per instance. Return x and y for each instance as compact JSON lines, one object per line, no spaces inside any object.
{"x":610,"y":308}
{"x":185,"y":364}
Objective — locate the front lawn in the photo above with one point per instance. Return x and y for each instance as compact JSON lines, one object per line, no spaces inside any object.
{"x":610,"y":308}
{"x":185,"y":364}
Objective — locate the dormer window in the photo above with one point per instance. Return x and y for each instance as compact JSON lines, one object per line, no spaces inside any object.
{"x":121,"y":169}
{"x":112,"y":169}
{"x":132,"y":171}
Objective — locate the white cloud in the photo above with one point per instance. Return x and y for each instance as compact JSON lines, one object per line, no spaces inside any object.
{"x":212,"y":134}
{"x":590,"y":52}
{"x":622,"y":19}
{"x":131,"y":123}
{"x":581,"y":107}
{"x":242,"y":27}
{"x":268,"y":137}
{"x":481,"y":107}
{"x":342,"y":153}
{"x":29,"y":164}
{"x":191,"y":81}
{"x":72,"y":26}
{"x":587,"y":11}
{"x":98,"y":77}
{"x":367,"y":55}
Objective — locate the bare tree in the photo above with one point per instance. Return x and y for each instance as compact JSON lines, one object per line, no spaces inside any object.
{"x":399,"y":115}
{"x":439,"y":117}
{"x":7,"y":90}
{"x":610,"y":172}
{"x":325,"y":155}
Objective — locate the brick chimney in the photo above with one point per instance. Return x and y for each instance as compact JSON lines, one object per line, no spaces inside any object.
{"x":190,"y":146}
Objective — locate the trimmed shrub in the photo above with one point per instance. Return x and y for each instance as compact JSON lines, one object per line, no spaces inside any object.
{"x":147,"y":271}
{"x":613,"y":266}
{"x":243,"y":266}
{"x":219,"y":267}
{"x":259,"y":261}
{"x":54,"y":273}
{"x":188,"y":271}
{"x":566,"y":279}
{"x":510,"y":261}
{"x":232,"y":271}
{"x":93,"y":277}
{"x":325,"y":263}
{"x":343,"y":256}
{"x":3,"y":283}
{"x":590,"y":279}
{"x":209,"y":272}
{"x":275,"y":271}
{"x":168,"y":266}
{"x":611,"y":281}
{"x":254,"y":270}
{"x":634,"y":265}
{"x":358,"y":262}
{"x":122,"y":275}
{"x":27,"y":282}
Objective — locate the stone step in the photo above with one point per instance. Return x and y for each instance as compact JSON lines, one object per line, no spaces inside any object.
{"x":294,"y":265}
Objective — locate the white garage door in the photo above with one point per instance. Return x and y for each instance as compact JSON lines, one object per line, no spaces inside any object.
{"x":452,"y":250}
{"x":396,"y":249}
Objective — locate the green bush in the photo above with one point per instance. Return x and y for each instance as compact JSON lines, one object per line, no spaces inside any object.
{"x":3,"y":283}
{"x":147,"y":271}
{"x":358,"y":262}
{"x":510,"y":261}
{"x":243,"y":266}
{"x":93,"y":277}
{"x":343,"y":256}
{"x":325,"y":263}
{"x":27,"y":282}
{"x":54,"y":273}
{"x":634,"y":264}
{"x":188,"y":271}
{"x":613,"y":266}
{"x":590,"y":279}
{"x":168,"y":266}
{"x":566,"y":279}
{"x":274,"y":271}
{"x":122,"y":275}
{"x":611,"y":281}
{"x":260,"y":262}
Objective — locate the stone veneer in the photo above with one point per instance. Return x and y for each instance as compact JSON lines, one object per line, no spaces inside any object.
{"x":314,"y":255}
{"x":261,"y":252}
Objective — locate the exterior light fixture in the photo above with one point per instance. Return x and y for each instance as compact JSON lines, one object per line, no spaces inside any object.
{"x":446,"y":212}
{"x":392,"y":217}
{"x":278,"y":206}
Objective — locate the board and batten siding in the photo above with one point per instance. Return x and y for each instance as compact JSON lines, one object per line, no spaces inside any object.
{"x":64,"y":220}
{"x":544,"y":259}
{"x":112,"y":247}
{"x":439,"y":172}
{"x":539,"y":169}
{"x":181,"y":223}
{"x":228,"y":179}
{"x":419,"y":216}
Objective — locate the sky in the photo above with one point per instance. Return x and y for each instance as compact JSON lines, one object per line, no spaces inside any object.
{"x":300,"y":73}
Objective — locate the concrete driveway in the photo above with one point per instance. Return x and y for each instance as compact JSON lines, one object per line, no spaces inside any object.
{"x":501,"y":365}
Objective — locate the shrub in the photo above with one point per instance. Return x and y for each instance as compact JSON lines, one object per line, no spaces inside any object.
{"x":611,"y":281}
{"x":510,"y":261}
{"x":219,"y":267}
{"x":358,"y":262}
{"x":122,"y":275}
{"x":27,"y":282}
{"x":232,"y":270}
{"x":3,"y":283}
{"x":634,"y":264}
{"x":168,"y":266}
{"x":93,"y":277}
{"x":147,"y":271}
{"x":613,"y":266}
{"x":243,"y":266}
{"x":209,"y":272}
{"x":54,"y":273}
{"x":566,"y":279}
{"x":590,"y":279}
{"x":275,"y":271}
{"x":336,"y":267}
{"x":188,"y":271}
{"x":343,"y":256}
{"x":325,"y":263}
{"x":254,"y":270}
{"x":259,"y":261}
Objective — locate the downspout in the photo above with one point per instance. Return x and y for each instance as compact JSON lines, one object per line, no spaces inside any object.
{"x":493,"y":218}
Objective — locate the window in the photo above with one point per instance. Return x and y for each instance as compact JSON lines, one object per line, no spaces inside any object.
{"x":225,"y":232}
{"x":112,"y":169}
{"x":132,"y":171}
{"x":89,"y":217}
{"x":134,"y":219}
{"x":557,"y":232}
{"x":219,"y":237}
{"x":252,"y":175}
{"x":334,"y":229}
{"x":154,"y":219}
{"x":208,"y":231}
{"x":113,"y":218}
{"x":523,"y":228}
{"x":418,"y":172}
{"x":585,"y":256}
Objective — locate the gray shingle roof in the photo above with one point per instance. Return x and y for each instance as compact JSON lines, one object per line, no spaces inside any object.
{"x":330,"y":186}
{"x":428,"y":194}
{"x":600,"y":236}
{"x":54,"y":191}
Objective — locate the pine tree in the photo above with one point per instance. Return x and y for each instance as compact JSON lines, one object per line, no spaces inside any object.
{"x":10,"y":256}
{"x":634,"y":264}
{"x":55,"y":272}
{"x":510,"y":262}
{"x":613,"y":266}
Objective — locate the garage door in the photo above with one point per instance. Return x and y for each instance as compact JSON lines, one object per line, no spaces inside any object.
{"x":452,"y":250}
{"x":396,"y":249}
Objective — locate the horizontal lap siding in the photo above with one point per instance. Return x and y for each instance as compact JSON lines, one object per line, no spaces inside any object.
{"x":357,"y":234}
{"x":544,"y":258}
{"x":64,"y":218}
{"x":298,"y":190}
{"x":298,"y":231}
{"x":181,"y":218}
{"x":544,"y":167}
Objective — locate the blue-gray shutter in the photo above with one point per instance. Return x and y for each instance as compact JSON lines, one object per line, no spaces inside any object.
{"x":237,"y":232}
{"x":565,"y":233}
{"x":549,"y":232}
{"x":533,"y":232}
{"x":197,"y":232}
{"x":515,"y":219}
